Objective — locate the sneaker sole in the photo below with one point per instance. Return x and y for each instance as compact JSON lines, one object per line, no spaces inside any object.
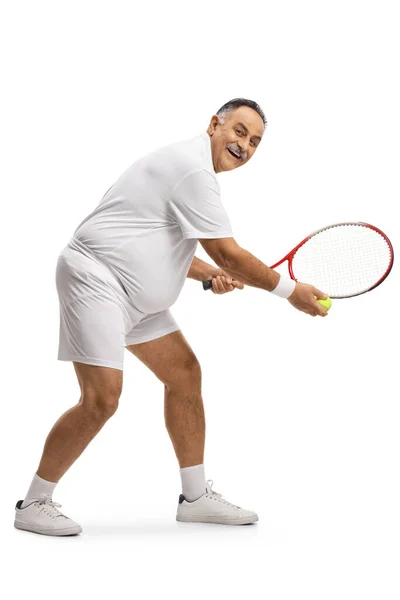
{"x":242,"y":521}
{"x":55,"y":532}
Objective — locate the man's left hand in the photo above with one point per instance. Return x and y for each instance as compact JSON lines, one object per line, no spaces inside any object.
{"x":222,"y":282}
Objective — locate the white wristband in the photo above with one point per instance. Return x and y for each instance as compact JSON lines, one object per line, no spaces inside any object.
{"x":285,"y":287}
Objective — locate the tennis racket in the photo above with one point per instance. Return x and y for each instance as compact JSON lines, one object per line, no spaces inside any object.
{"x":343,"y":260}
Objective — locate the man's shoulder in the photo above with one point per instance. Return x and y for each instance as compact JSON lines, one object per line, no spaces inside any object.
{"x":190,"y":151}
{"x":186,"y":156}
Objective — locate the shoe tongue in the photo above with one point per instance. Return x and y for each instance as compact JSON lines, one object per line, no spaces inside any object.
{"x":45,"y":496}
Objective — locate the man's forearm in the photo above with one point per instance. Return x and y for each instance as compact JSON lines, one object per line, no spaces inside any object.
{"x":244,"y":267}
{"x":248,"y":269}
{"x":200,"y":270}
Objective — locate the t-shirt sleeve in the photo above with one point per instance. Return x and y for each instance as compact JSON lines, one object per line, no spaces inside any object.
{"x":197,"y":206}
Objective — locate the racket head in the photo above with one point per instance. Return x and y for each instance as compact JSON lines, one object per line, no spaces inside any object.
{"x":343,"y":260}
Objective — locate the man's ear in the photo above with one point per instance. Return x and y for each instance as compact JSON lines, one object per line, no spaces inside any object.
{"x":213,"y":124}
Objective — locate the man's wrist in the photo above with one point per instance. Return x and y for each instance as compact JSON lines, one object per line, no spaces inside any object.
{"x":200,"y":270}
{"x":285,"y":287}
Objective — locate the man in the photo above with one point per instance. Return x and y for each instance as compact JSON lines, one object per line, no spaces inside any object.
{"x":123,"y":268}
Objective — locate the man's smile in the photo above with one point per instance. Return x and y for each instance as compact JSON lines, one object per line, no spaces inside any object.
{"x":234,"y":154}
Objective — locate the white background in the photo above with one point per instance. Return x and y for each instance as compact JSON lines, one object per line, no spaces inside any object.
{"x":302,"y":413}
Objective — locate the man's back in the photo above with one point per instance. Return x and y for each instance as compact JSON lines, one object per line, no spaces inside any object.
{"x":137,"y":230}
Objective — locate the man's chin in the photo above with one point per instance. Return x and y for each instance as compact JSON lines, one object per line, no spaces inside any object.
{"x":233,"y":167}
{"x":229,"y":166}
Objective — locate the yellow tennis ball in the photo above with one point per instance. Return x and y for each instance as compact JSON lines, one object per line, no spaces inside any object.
{"x":326,"y":303}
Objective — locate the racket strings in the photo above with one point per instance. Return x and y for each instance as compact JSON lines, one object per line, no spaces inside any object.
{"x":343,"y":260}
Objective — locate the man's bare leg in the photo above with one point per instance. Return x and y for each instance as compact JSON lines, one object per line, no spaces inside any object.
{"x":100,"y":391}
{"x":172,"y":360}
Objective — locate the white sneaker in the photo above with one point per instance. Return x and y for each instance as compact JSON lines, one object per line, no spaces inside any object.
{"x":43,"y":516}
{"x":213,"y":508}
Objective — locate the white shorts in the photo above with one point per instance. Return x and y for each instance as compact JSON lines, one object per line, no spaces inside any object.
{"x":97,"y":320}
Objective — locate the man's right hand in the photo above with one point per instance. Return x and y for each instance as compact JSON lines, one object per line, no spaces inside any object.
{"x":304,"y":298}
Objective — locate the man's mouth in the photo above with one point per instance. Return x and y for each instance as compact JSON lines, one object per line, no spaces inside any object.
{"x":234,"y":154}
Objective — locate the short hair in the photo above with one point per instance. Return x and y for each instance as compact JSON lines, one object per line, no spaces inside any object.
{"x":237,"y":103}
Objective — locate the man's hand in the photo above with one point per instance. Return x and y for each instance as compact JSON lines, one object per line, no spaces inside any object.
{"x":304,"y":298}
{"x":222,"y":282}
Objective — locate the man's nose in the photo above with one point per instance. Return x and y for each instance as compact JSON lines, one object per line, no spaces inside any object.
{"x":243,"y":145}
{"x":244,"y":148}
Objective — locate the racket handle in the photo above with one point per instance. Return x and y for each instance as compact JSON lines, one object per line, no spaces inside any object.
{"x":207,"y":284}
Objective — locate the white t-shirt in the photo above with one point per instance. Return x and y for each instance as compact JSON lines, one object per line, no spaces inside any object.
{"x":146,"y":227}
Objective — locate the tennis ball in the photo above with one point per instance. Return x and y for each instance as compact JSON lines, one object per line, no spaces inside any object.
{"x":326,"y":303}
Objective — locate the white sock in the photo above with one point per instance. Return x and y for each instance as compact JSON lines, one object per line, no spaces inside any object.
{"x":39,"y":488}
{"x":193,"y":482}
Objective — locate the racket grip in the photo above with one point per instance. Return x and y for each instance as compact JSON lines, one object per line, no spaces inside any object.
{"x":207,"y":284}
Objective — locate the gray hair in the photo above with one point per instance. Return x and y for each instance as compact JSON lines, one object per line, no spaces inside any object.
{"x":237,"y":103}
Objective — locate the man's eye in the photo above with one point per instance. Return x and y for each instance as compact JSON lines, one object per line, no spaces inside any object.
{"x":252,"y":143}
{"x":239,"y":131}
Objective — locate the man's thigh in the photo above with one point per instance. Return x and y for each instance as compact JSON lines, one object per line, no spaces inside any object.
{"x":169,"y":357}
{"x":97,"y":381}
{"x":151,"y":327}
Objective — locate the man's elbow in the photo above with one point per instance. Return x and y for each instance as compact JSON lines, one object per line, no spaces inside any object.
{"x":229,"y":258}
{"x":225,"y":252}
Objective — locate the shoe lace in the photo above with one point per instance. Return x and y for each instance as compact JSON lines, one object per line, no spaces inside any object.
{"x":49,"y":507}
{"x":216,"y":495}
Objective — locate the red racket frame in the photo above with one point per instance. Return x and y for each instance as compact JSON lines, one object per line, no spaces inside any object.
{"x":289,"y":257}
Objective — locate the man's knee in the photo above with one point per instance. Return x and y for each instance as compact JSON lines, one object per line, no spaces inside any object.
{"x":187,"y":374}
{"x":102,"y":404}
{"x":101,"y":397}
{"x":101,"y":389}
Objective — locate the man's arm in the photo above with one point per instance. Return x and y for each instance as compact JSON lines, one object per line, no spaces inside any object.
{"x":244,"y":266}
{"x":221,"y":281}
{"x":240,"y":263}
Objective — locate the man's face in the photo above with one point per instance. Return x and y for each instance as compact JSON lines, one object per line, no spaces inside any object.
{"x":234,"y":142}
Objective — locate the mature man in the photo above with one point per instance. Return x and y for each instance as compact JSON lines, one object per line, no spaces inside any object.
{"x":123,"y":268}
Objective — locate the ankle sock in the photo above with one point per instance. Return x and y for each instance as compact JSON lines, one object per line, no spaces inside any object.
{"x":39,"y":488}
{"x":193,"y":482}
